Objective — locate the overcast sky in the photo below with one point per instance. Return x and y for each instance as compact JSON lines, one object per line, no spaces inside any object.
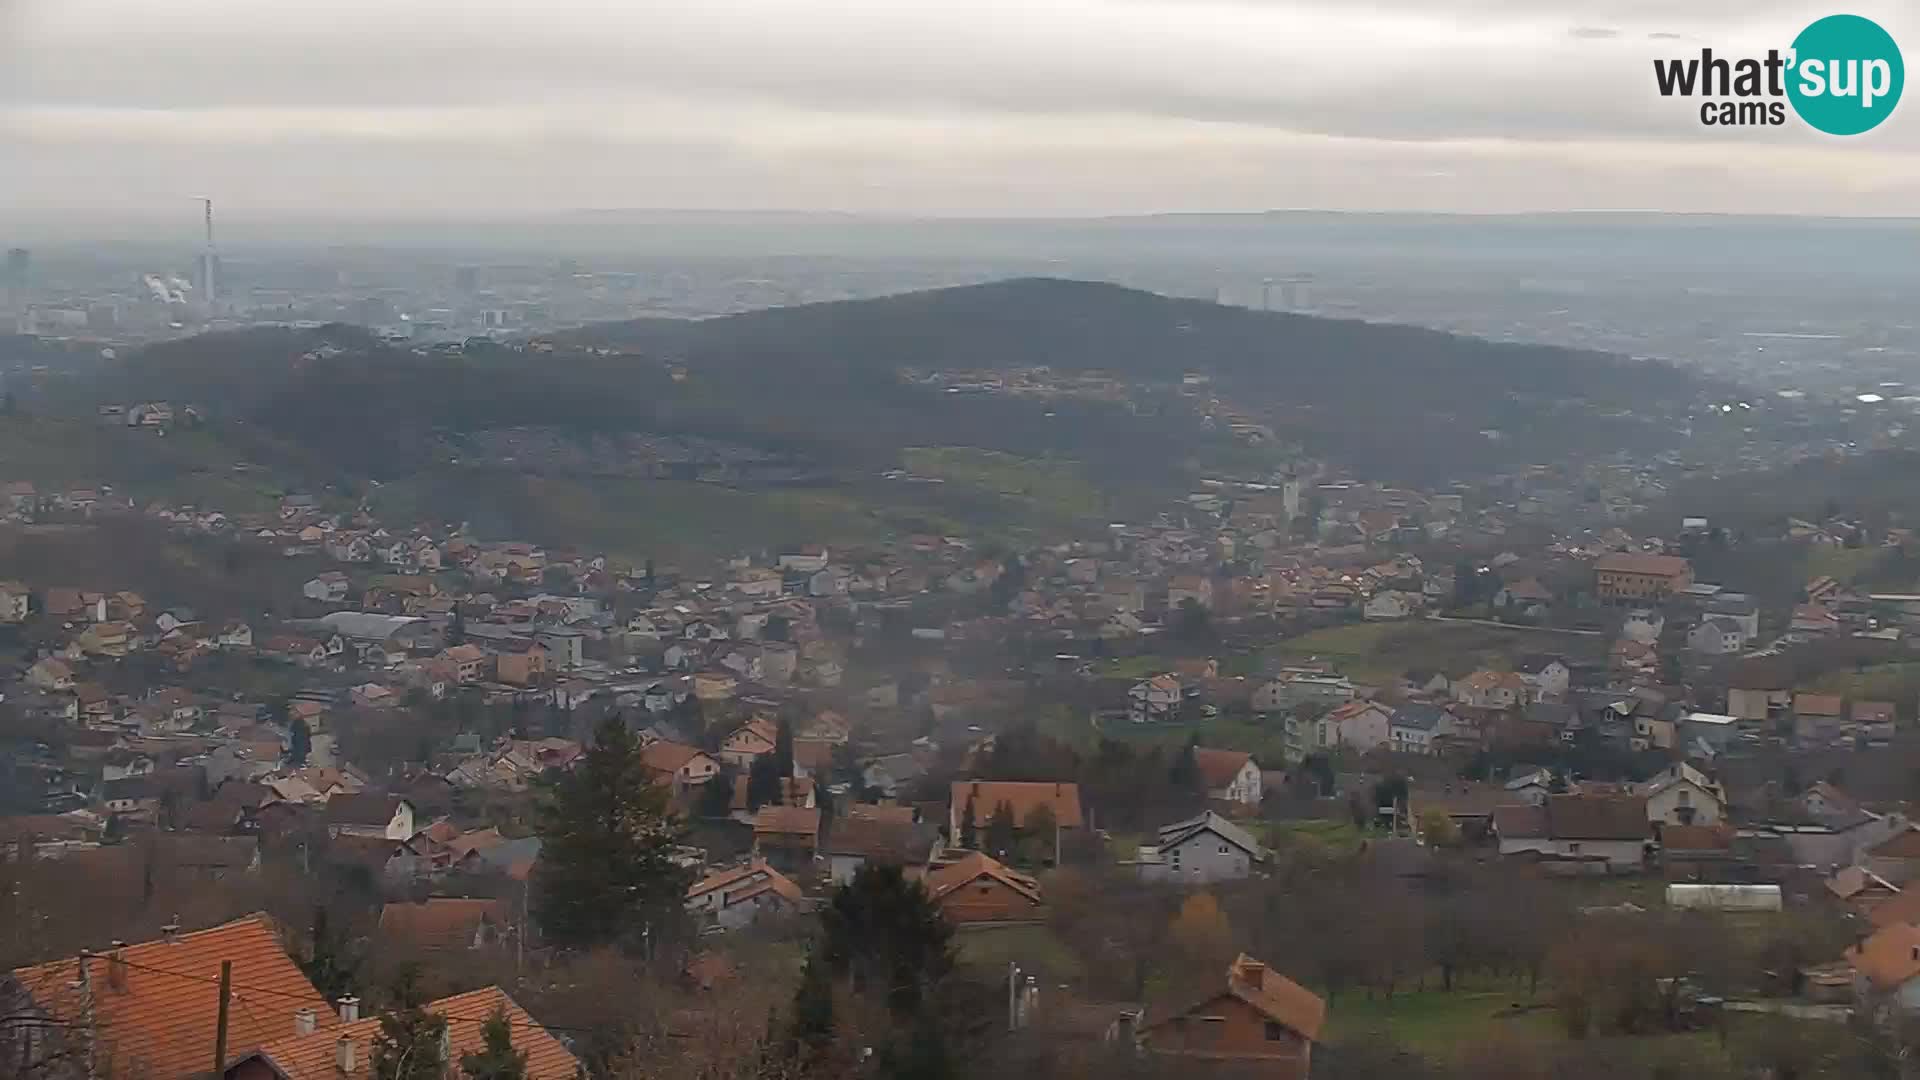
{"x":916,"y":106}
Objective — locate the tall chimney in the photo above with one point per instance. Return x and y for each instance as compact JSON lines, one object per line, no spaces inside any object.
{"x":170,"y":933}
{"x":343,"y":1054}
{"x":349,"y":1009}
{"x":117,"y":968}
{"x":305,"y":1022}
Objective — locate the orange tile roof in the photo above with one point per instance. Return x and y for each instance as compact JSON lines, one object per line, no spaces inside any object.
{"x":787,"y":821}
{"x":313,"y":1057}
{"x":1902,"y":907}
{"x":1219,"y":767}
{"x":1275,"y":996}
{"x":1889,"y":957}
{"x":1022,"y":797}
{"x":1623,"y":562}
{"x":973,"y":866}
{"x":442,"y":922}
{"x":158,"y":1016}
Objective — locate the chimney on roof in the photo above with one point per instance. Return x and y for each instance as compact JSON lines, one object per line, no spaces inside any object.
{"x":1254,"y":973}
{"x":349,"y":1009}
{"x":343,"y":1056}
{"x":305,"y":1022}
{"x":116,"y":968}
{"x":170,"y":933}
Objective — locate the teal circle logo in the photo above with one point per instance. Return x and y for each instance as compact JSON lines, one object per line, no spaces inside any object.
{"x":1846,"y":75}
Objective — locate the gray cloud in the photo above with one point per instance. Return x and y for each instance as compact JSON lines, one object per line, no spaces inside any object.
{"x":898,"y":102}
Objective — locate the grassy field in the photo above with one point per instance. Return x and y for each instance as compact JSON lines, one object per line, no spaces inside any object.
{"x":1382,"y":651}
{"x":1839,"y":563}
{"x":1057,"y":487}
{"x":181,"y":467}
{"x":1883,"y":682}
{"x":1440,"y":1023}
{"x":1034,"y":948}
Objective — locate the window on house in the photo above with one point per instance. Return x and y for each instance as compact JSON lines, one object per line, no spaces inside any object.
{"x":1275,"y":1032}
{"x":1573,"y":848}
{"x":1223,"y":849}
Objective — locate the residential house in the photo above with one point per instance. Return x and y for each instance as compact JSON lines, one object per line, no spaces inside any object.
{"x":875,"y":835}
{"x":1897,"y":858}
{"x":1717,"y":636}
{"x":369,"y":814}
{"x":1526,"y":596}
{"x":1644,"y":625}
{"x":982,"y":798}
{"x":342,"y":1048}
{"x":749,"y":741}
{"x":50,"y":674}
{"x":330,"y":587}
{"x":235,"y":635}
{"x":1608,"y":832}
{"x":111,"y":640}
{"x":1815,"y":619}
{"x":1629,"y":576}
{"x":1492,"y":690}
{"x":1739,"y":609}
{"x":145,"y":1008}
{"x":1682,"y":795}
{"x":1416,"y":727}
{"x":742,"y":895}
{"x":1817,"y":717}
{"x":976,"y":888}
{"x":469,"y":662}
{"x":14,"y":601}
{"x":678,"y":764}
{"x":1184,"y":587}
{"x":1886,"y":967}
{"x":1364,"y":726}
{"x":446,"y":924}
{"x":1201,"y":849}
{"x":1154,"y":700}
{"x":891,"y":774}
{"x":1229,"y":775}
{"x":1260,"y":1020}
{"x":1547,"y":677}
{"x":787,"y":836}
{"x":1389,"y":604}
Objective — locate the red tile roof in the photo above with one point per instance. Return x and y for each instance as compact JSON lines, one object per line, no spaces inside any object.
{"x":1219,"y":767}
{"x":441,"y":922}
{"x":313,"y":1057}
{"x":1623,"y":562}
{"x":157,"y":1015}
{"x":1022,"y":797}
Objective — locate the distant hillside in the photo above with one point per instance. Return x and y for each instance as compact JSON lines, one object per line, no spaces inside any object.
{"x":819,"y":386}
{"x":1396,"y":400}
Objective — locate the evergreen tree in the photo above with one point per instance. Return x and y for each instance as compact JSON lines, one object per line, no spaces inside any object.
{"x":1001,"y":831}
{"x":716,"y":795}
{"x":969,"y":837}
{"x":783,"y":747}
{"x":605,"y":871}
{"x":763,"y":783}
{"x":457,"y":629}
{"x":326,"y":967}
{"x":299,"y":743}
{"x":1039,"y":834}
{"x":1184,"y":774}
{"x":884,"y":934}
{"x":409,"y":1044}
{"x":809,"y":1036}
{"x":498,"y":1060}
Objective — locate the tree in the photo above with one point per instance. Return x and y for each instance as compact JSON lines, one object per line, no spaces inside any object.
{"x":408,"y":1046}
{"x":605,"y":872}
{"x":1184,"y":774}
{"x":1192,"y":623}
{"x":763,"y":783}
{"x":326,"y":967}
{"x":299,"y":743}
{"x":1039,"y":834}
{"x":498,"y":1060}
{"x":457,"y":628}
{"x":810,"y":1030}
{"x":1438,"y":829}
{"x":716,"y":795}
{"x":783,"y":747}
{"x":884,"y":934}
{"x":1001,"y":832}
{"x":969,"y":828}
{"x":1201,"y":931}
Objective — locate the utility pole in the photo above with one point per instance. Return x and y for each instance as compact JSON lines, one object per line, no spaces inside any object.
{"x":1013,"y":996}
{"x":220,"y":1031}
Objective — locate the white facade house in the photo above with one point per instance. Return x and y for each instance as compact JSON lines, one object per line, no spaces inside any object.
{"x":1154,"y":699}
{"x":1683,"y":795}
